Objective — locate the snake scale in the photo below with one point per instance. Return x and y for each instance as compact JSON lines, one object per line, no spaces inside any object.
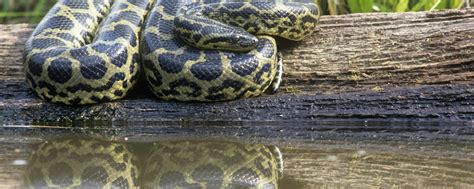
{"x":96,"y":163}
{"x":91,"y":51}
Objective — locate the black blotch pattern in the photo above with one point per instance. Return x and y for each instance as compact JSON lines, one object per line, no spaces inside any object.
{"x":185,"y":24}
{"x":209,"y":70}
{"x":135,"y":59}
{"x":55,"y":22}
{"x":94,"y":177}
{"x":46,"y":43}
{"x":76,"y":4}
{"x":110,"y":50}
{"x":245,"y":177}
{"x":216,"y":93}
{"x":259,"y":163}
{"x":233,"y":6}
{"x":155,"y":82}
{"x":100,"y":99}
{"x":60,"y":70}
{"x":120,"y":183}
{"x":118,"y":93}
{"x":258,"y":77}
{"x":92,"y":67}
{"x":87,"y":88}
{"x":212,"y":175}
{"x":150,"y":42}
{"x":139,"y":3}
{"x":74,"y":101}
{"x":79,"y":53}
{"x":35,"y":65}
{"x":30,"y":79}
{"x":84,"y":19}
{"x":183,"y":83}
{"x":101,"y":4}
{"x":134,"y":78}
{"x":125,"y":85}
{"x":120,"y":31}
{"x":68,"y":37}
{"x":52,"y":90}
{"x":119,"y":167}
{"x":130,"y":16}
{"x":164,"y":27}
{"x":265,"y":47}
{"x":117,"y":52}
{"x":209,"y":30}
{"x":172,"y":63}
{"x":244,"y":65}
{"x":309,"y":19}
{"x":61,"y":174}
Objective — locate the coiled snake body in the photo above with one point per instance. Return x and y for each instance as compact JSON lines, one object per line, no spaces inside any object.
{"x":95,"y":163}
{"x":88,"y":51}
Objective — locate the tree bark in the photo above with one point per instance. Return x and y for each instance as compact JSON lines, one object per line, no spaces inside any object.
{"x":408,"y":66}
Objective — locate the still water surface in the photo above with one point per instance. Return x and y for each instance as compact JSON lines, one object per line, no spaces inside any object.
{"x":45,"y":157}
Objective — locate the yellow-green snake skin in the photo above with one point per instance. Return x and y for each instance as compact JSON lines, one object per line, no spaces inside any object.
{"x":95,"y":163}
{"x":89,"y":51}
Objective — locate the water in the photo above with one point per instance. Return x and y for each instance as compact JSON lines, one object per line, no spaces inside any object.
{"x":304,"y":155}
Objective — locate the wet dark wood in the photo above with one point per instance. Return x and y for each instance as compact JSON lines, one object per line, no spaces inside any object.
{"x":410,"y":66}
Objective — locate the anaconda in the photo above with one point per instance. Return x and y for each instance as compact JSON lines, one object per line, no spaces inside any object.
{"x":88,"y":51}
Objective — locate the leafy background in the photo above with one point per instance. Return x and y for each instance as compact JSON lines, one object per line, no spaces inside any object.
{"x":31,"y":11}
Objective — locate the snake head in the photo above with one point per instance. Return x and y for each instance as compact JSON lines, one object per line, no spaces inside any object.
{"x":230,"y":39}
{"x":205,"y":33}
{"x":240,"y":41}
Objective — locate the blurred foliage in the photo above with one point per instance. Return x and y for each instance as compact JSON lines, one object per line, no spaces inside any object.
{"x":19,"y":11}
{"x":334,"y":7}
{"x":31,"y":11}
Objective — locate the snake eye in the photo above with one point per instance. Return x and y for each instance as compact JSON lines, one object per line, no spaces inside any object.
{"x":247,"y":41}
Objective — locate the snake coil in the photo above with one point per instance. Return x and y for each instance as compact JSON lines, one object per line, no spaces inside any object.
{"x":88,"y":51}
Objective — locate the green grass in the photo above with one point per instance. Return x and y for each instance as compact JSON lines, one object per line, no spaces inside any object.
{"x":31,"y":11}
{"x":334,"y":7}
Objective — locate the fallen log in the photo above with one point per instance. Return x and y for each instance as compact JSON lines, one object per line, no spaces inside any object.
{"x":390,"y":66}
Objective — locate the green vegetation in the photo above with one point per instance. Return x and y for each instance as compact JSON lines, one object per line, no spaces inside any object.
{"x":18,"y":11}
{"x":334,"y":7}
{"x":31,"y":11}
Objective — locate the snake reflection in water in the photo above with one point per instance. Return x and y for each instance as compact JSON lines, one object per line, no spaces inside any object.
{"x":96,"y":163}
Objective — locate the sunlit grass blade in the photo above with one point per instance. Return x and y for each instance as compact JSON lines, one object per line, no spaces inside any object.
{"x":354,"y":6}
{"x":456,"y":4}
{"x":402,"y":6}
{"x":360,"y":6}
{"x":380,"y":7}
{"x":366,"y":5}
{"x":420,"y":5}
